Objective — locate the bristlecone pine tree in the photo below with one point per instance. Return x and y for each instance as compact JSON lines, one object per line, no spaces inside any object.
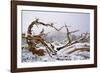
{"x":39,"y":39}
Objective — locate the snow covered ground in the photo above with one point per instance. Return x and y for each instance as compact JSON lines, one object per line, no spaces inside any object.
{"x":72,"y":52}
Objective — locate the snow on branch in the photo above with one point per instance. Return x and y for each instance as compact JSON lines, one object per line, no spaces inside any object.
{"x":84,"y":36}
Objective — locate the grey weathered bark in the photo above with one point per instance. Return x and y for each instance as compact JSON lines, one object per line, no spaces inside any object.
{"x":70,"y":42}
{"x":38,"y":38}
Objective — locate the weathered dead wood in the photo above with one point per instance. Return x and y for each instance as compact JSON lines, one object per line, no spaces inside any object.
{"x":37,"y":22}
{"x":38,"y":38}
{"x":70,"y":42}
{"x":80,"y":49}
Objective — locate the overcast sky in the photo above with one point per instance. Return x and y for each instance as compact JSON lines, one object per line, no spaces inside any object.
{"x":80,"y":21}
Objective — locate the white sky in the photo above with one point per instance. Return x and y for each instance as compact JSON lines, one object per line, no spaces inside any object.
{"x":80,"y":21}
